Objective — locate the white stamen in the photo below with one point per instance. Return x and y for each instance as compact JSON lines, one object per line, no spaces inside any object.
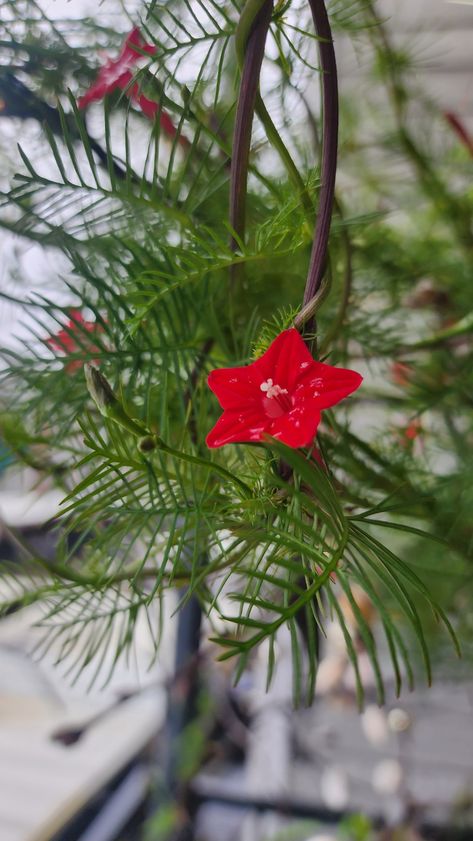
{"x":272,"y":390}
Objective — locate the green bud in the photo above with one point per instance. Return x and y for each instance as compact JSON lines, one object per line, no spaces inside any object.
{"x":108,"y":403}
{"x":99,"y":389}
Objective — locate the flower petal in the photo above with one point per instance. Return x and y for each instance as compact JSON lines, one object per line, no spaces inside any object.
{"x":237,"y":427}
{"x":62,"y":341}
{"x":235,"y":388}
{"x":128,"y":53}
{"x":116,"y":73}
{"x":297,"y":428}
{"x":326,"y":385}
{"x":299,"y":386}
{"x":77,"y":318}
{"x":284,"y":361}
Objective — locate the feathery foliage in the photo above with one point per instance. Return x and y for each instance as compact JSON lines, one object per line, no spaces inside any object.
{"x":262,"y":535}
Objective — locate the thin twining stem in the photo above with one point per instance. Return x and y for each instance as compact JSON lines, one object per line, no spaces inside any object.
{"x":328,"y":69}
{"x":245,"y":29}
{"x":259,"y":15}
{"x":305,"y":313}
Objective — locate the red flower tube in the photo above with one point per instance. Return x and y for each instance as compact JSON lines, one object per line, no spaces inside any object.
{"x":282,"y":395}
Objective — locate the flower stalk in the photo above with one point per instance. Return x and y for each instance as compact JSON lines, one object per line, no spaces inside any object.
{"x":110,"y":407}
{"x":255,"y":20}
{"x":249,"y":20}
{"x":328,"y":67}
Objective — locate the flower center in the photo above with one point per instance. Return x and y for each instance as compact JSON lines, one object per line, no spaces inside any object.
{"x":279,"y":397}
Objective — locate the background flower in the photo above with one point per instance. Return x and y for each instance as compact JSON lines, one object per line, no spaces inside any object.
{"x":117,"y":74}
{"x":73,"y":339}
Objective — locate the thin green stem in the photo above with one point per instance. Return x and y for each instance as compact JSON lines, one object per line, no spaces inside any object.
{"x":212,"y":466}
{"x":460,"y":328}
{"x":277,"y":142}
{"x":339,"y":320}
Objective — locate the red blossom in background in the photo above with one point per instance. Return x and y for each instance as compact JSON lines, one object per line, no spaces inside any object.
{"x":401,"y":374}
{"x":117,"y":74}
{"x":409,"y":434}
{"x":282,"y":395}
{"x":73,"y":339}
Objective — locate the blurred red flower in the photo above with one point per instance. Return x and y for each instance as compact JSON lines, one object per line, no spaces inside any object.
{"x":409,"y":434}
{"x":401,"y":374}
{"x":282,"y":395}
{"x":74,"y":339}
{"x":117,"y":74}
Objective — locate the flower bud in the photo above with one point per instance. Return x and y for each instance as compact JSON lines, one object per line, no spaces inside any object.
{"x":108,"y":403}
{"x":99,"y":389}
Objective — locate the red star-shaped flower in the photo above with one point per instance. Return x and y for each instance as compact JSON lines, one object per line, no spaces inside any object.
{"x":117,"y":74}
{"x":73,"y":338}
{"x":282,"y":395}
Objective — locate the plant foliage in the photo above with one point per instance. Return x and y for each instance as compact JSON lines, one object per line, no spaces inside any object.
{"x":263,"y":536}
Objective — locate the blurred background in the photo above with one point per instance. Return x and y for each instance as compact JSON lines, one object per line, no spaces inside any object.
{"x":87,"y":758}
